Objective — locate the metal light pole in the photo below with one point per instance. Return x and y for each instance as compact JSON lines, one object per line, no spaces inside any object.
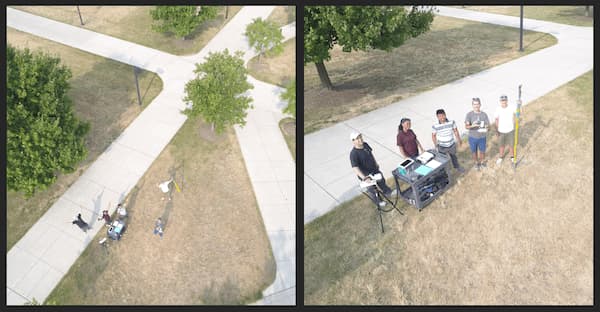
{"x":521,"y":35}
{"x":137,"y":86}
{"x":80,"y":19}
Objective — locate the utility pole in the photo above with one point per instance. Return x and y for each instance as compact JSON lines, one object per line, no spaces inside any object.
{"x":137,"y":86}
{"x":521,"y":34}
{"x":80,"y":19}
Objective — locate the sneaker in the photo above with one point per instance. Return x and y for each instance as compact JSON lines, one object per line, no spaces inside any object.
{"x":460,"y":169}
{"x":512,"y":159}
{"x":498,"y":161}
{"x":382,"y":203}
{"x":483,"y":165}
{"x":478,"y":167}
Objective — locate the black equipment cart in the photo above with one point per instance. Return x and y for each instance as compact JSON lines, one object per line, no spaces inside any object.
{"x":423,"y":180}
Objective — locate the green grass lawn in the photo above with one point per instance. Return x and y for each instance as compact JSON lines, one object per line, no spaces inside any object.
{"x":133,"y":23}
{"x":571,"y":15}
{"x":103,"y":93}
{"x":452,"y":49}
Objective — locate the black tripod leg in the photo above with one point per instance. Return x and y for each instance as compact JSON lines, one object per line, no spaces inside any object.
{"x":380,"y":220}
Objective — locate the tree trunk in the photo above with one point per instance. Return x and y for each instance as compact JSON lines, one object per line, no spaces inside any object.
{"x":587,"y":10}
{"x":323,"y":75}
{"x":226,"y":11}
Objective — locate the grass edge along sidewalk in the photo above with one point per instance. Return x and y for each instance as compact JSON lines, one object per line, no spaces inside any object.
{"x":103,"y":93}
{"x":345,"y":247}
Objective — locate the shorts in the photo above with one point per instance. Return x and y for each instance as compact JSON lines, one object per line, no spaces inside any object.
{"x":477,"y":144}
{"x":507,"y":138}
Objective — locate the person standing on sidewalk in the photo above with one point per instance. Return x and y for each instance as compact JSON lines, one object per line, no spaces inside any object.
{"x":80,"y":223}
{"x":407,"y":141}
{"x":504,"y":119}
{"x":477,"y":123}
{"x":364,"y":164}
{"x":443,"y":135}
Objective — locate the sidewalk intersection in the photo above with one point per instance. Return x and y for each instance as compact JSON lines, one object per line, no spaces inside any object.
{"x":42,"y":257}
{"x":328,"y":178}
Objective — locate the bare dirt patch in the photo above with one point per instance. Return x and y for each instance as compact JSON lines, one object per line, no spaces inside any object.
{"x":496,"y":237}
{"x":452,"y":49}
{"x":215,"y":249}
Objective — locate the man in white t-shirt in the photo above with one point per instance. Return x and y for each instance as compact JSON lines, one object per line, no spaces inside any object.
{"x":504,"y":117}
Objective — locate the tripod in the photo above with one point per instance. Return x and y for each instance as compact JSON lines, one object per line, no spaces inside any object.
{"x":376,"y":200}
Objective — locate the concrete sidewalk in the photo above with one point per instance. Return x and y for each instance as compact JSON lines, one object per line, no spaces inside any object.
{"x":42,"y":257}
{"x":328,"y":178}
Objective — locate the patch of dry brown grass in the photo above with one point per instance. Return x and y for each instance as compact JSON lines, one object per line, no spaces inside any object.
{"x":496,"y":237}
{"x":365,"y":81}
{"x":215,"y":249}
{"x":283,"y":15}
{"x":278,"y":70}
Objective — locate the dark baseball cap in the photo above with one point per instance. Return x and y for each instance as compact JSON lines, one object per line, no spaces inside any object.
{"x":503,"y":98}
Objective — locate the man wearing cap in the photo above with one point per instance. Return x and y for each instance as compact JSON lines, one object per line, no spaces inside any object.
{"x":407,"y":141}
{"x":477,"y":123}
{"x":443,"y":135}
{"x":364,"y":164}
{"x":504,"y":118}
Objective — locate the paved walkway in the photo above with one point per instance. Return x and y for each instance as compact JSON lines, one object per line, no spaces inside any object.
{"x":42,"y":257}
{"x":328,"y":178}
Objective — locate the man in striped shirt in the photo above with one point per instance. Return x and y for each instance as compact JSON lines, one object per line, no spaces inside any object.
{"x":443,"y":138}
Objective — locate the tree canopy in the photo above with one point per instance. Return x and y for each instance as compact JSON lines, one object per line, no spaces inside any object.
{"x":289,"y":95}
{"x":43,"y":135}
{"x":265,"y":37}
{"x":181,"y":20}
{"x":217,"y":92}
{"x":358,"y":28}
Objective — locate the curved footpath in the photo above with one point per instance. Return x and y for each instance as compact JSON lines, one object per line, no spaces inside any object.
{"x":42,"y":257}
{"x":328,"y":178}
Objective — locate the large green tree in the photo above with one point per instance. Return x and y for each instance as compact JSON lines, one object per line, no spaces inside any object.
{"x":43,"y":135}
{"x":181,"y":20}
{"x":265,"y":37}
{"x":358,"y":28}
{"x":217,"y":92}
{"x":289,"y":95}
